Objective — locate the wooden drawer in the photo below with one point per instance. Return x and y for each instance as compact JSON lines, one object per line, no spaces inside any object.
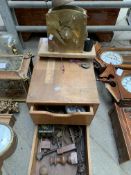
{"x":41,"y":116}
{"x":33,"y":169}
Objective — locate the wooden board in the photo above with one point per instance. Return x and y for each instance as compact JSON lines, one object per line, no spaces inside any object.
{"x":121,"y":123}
{"x":34,"y":164}
{"x":43,"y":52}
{"x":51,"y":85}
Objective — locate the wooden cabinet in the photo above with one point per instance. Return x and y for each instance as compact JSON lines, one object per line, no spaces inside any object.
{"x":95,"y":17}
{"x":58,"y":83}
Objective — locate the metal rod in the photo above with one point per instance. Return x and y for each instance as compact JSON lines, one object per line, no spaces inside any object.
{"x":8,"y":21}
{"x":84,"y":4}
{"x":89,"y":28}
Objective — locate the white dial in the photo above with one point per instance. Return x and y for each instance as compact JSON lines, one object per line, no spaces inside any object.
{"x":110,"y":57}
{"x":126,"y":83}
{"x":6,"y":138}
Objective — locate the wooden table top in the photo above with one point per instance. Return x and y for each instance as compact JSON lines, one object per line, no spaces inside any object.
{"x":56,"y":81}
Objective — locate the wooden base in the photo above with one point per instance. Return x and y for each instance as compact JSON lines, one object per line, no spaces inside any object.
{"x":43,"y":52}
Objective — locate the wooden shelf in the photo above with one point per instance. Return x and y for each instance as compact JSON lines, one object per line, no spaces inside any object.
{"x":43,"y":52}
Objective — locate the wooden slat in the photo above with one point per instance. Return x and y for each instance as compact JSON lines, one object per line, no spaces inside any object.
{"x":32,"y":162}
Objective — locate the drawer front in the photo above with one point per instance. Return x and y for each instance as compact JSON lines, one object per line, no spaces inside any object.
{"x":40,"y":116}
{"x":32,"y":164}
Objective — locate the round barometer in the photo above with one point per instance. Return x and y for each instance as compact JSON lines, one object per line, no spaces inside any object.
{"x":110,"y":57}
{"x":7,"y":140}
{"x":126,"y":83}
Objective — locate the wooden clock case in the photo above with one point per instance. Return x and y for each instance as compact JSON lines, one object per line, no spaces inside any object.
{"x":121,"y":123}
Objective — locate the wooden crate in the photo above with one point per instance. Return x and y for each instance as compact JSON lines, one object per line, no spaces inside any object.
{"x":50,"y":85}
{"x":121,"y":123}
{"x":14,"y":84}
{"x":32,"y":170}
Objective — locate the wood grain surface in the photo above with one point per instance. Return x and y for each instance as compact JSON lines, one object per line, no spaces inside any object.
{"x":68,"y":84}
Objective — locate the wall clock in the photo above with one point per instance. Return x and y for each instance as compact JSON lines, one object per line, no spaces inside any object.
{"x":121,"y":90}
{"x":8,"y":142}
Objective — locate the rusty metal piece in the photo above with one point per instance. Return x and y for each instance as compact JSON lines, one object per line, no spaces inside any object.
{"x":72,"y":158}
{"x":41,"y":155}
{"x":85,"y":65}
{"x":8,"y":106}
{"x":54,"y":160}
{"x":64,"y":33}
{"x":66,"y":148}
{"x":46,"y":144}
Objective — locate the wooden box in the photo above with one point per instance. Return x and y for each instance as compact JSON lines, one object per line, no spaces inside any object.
{"x":34,"y":165}
{"x":14,"y":84}
{"x":121,"y":123}
{"x":51,"y":86}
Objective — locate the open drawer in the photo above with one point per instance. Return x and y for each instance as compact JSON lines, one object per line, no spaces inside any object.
{"x":34,"y":164}
{"x":40,"y":115}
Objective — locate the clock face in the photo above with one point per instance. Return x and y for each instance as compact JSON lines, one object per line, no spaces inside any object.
{"x":126,"y":83}
{"x":113,"y":58}
{"x":5,"y":138}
